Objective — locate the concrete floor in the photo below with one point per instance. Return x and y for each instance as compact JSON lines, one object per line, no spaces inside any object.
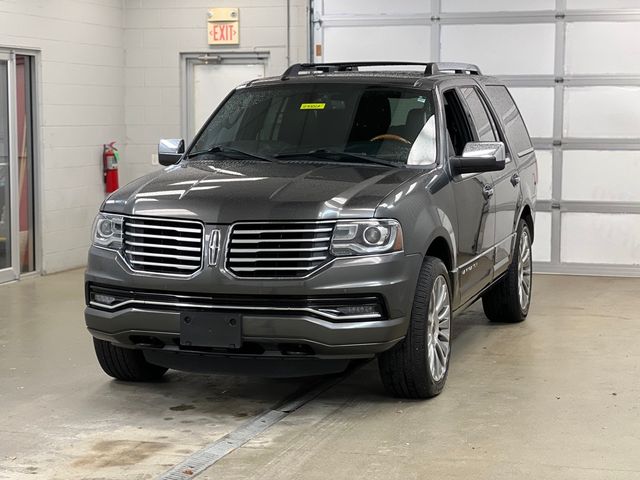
{"x":554,"y":397}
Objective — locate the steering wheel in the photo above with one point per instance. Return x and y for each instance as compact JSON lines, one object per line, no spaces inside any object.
{"x":390,"y":136}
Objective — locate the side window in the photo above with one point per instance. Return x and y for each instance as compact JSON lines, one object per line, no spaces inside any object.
{"x":458,"y":128}
{"x":481,"y":121}
{"x":515,"y":128}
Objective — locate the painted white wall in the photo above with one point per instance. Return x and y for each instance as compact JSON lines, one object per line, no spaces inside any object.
{"x":110,"y":71}
{"x":81,"y":92}
{"x":157,"y":31}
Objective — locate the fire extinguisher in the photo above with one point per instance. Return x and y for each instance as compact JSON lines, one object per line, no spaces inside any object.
{"x":110,"y":157}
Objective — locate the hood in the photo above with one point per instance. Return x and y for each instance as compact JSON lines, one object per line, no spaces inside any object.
{"x":231,"y":191}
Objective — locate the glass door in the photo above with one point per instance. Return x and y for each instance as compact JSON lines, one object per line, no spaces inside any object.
{"x":8,"y":267}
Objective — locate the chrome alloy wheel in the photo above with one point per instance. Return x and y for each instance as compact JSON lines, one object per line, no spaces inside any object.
{"x":524,"y":270}
{"x":438,"y":328}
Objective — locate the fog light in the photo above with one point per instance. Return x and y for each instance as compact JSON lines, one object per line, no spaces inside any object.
{"x":358,"y":311}
{"x":104,"y":299}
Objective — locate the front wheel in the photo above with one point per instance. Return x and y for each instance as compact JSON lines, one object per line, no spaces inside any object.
{"x":125,"y":364}
{"x":509,"y":299}
{"x":417,"y":367}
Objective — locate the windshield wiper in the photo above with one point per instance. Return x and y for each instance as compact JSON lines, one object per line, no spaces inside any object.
{"x":325,"y":153}
{"x":225,"y":149}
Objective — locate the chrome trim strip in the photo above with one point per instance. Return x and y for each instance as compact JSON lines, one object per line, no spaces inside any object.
{"x":361,"y":316}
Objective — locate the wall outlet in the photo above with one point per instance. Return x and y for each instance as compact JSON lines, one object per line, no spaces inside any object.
{"x":154,"y":159}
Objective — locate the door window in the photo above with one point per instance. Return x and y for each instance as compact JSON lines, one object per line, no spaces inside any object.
{"x":481,"y":121}
{"x":458,"y":128}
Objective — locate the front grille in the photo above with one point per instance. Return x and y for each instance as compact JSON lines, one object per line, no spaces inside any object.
{"x":164,"y":246}
{"x":293,"y":249}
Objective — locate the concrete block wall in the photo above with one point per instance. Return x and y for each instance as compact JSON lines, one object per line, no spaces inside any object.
{"x":157,"y":31}
{"x":80,"y":91}
{"x":109,"y":70}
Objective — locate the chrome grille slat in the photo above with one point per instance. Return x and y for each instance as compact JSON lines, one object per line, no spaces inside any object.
{"x":160,"y":227}
{"x":157,"y":245}
{"x":163,"y":246}
{"x":162,"y":237}
{"x":158,"y":264}
{"x":162,"y":255}
{"x":283,"y":240}
{"x":300,"y":230}
{"x":278,"y":249}
{"x":305,"y":259}
{"x":257,"y":250}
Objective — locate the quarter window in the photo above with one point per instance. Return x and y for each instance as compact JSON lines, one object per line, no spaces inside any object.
{"x":515,"y":128}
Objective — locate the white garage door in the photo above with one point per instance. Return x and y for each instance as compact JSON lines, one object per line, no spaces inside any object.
{"x":573,"y":67}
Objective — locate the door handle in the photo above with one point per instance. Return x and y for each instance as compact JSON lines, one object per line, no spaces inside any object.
{"x":515,"y":179}
{"x":487,"y":191}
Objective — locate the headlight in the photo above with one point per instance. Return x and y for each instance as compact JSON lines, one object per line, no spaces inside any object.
{"x":365,"y":237}
{"x":107,"y":231}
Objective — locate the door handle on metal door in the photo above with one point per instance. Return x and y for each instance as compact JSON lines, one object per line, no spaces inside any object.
{"x":515,"y":179}
{"x":487,"y":191}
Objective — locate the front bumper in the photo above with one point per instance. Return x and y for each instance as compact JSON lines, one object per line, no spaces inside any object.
{"x":391,"y":278}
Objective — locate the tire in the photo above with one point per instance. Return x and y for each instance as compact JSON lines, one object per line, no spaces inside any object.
{"x":126,"y":364}
{"x":504,"y":301}
{"x":408,"y":370}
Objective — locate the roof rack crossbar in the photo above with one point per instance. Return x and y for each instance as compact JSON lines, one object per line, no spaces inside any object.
{"x":444,"y":67}
{"x":430,"y":68}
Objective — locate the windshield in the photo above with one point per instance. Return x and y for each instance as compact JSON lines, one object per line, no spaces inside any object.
{"x":343,"y":122}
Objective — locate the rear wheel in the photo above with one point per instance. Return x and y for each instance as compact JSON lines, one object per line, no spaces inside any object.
{"x":417,"y":367}
{"x":125,"y":364}
{"x":509,"y":299}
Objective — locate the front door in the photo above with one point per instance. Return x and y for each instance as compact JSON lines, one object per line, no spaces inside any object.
{"x":475,"y":206}
{"x":7,"y":216}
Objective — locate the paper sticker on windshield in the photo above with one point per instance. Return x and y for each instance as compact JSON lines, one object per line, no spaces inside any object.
{"x":312,"y":106}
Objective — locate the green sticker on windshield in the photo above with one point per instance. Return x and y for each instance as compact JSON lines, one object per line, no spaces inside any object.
{"x":312,"y":106}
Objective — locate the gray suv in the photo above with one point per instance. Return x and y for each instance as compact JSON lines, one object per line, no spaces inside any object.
{"x":336,"y":212}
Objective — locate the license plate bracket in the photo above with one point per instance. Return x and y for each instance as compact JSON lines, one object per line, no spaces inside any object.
{"x":211,"y":329}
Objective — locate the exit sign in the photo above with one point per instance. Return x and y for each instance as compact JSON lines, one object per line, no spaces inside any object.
{"x":223,"y":26}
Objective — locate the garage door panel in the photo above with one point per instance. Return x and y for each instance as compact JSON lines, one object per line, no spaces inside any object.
{"x":601,"y":175}
{"x":397,"y":43}
{"x":600,"y":238}
{"x":545,"y":173}
{"x":501,"y":49}
{"x":602,"y":112}
{"x":542,"y":238}
{"x":589,"y":53}
{"x":375,"y":7}
{"x":495,"y":5}
{"x":536,"y":106}
{"x":601,"y":4}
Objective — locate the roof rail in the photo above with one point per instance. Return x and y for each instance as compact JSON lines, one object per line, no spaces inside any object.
{"x":430,"y":68}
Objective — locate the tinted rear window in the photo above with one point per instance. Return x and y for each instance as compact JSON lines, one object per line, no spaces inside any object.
{"x":505,"y":106}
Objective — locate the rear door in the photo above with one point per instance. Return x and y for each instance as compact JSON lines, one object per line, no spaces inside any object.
{"x":475,"y":207}
{"x":519,"y":151}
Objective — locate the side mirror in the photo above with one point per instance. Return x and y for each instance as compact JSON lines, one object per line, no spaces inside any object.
{"x":479,"y":157}
{"x":170,"y":150}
